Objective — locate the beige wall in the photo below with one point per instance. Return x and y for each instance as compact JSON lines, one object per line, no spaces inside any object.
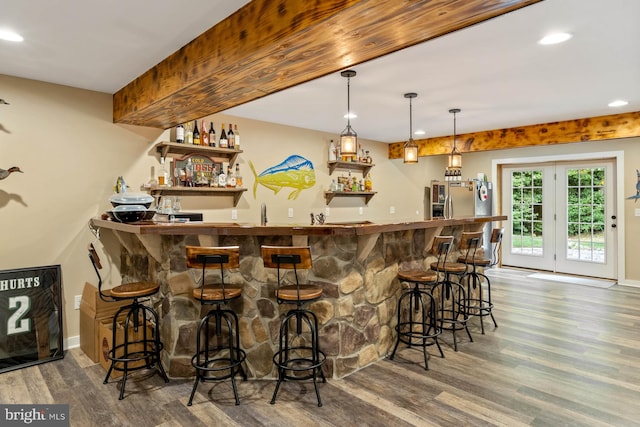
{"x":72,"y":153}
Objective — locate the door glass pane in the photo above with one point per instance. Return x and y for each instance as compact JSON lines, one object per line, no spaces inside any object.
{"x":526,"y":212}
{"x":585,"y":215}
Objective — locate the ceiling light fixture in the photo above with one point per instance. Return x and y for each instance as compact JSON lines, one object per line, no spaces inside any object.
{"x":348,"y":137}
{"x":455,"y":158}
{"x":554,"y":38}
{"x":10,"y":36}
{"x":618,"y":103}
{"x":410,"y":148}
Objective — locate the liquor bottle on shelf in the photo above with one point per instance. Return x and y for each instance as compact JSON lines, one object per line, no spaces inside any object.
{"x":231,"y":137}
{"x":180,"y":134}
{"x":237,"y":137}
{"x":188,"y":134}
{"x":368,"y":184}
{"x":222,"y":178}
{"x":332,"y":152}
{"x":212,"y":136}
{"x":204,"y":136}
{"x":223,"y":142}
{"x":238,"y":176}
{"x":163,"y":175}
{"x":188,"y":170}
{"x":231,"y":178}
{"x":196,"y":133}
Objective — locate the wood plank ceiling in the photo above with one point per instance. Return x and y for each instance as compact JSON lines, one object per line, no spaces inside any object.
{"x":271,"y":45}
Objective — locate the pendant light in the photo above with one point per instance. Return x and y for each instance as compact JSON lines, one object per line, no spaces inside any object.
{"x":348,"y":137}
{"x":410,"y":148}
{"x":455,"y":158}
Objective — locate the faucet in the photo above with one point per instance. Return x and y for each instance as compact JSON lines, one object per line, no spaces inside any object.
{"x":263,"y":214}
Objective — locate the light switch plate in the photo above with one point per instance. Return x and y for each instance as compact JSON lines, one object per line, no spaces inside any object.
{"x":76,"y":302}
{"x":361,"y":210}
{"x":290,"y":213}
{"x":637,"y":212}
{"x":234,"y":214}
{"x":392,"y":209}
{"x":327,"y":211}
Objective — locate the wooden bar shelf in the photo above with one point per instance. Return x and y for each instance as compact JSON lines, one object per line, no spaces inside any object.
{"x":165,"y":148}
{"x":329,"y":195}
{"x":359,"y":166}
{"x":198,"y":191}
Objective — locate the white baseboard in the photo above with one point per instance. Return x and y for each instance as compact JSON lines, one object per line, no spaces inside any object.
{"x":632,"y":283}
{"x":72,"y":342}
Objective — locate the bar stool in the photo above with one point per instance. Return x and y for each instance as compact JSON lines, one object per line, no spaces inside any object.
{"x":296,"y":355}
{"x":450,"y":295}
{"x":480,"y":303}
{"x":421,"y":328}
{"x":223,"y":358}
{"x":142,"y":350}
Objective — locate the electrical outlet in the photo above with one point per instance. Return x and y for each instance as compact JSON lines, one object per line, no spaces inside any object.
{"x":392,"y":209}
{"x":76,"y":302}
{"x":637,"y":212}
{"x":234,"y":213}
{"x":327,"y":211}
{"x":361,"y":210}
{"x":290,"y":213}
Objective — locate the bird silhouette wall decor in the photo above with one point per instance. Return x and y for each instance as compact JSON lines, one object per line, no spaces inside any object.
{"x":636,"y":196}
{"x":6,"y":172}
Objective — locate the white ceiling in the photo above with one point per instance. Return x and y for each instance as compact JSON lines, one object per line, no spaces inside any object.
{"x":495,"y":71}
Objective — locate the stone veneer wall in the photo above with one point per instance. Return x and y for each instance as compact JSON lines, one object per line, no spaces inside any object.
{"x":357,"y":313}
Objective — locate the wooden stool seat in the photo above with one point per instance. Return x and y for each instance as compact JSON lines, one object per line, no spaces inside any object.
{"x":215,"y":293}
{"x":420,"y":276}
{"x":305,"y":293}
{"x":482,"y":262}
{"x":449,"y":267}
{"x":134,"y":290}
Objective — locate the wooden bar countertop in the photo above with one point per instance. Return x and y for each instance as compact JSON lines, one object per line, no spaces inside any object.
{"x":248,"y":229}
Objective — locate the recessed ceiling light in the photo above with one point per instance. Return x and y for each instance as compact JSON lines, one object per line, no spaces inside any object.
{"x":419,"y":132}
{"x":10,"y":36}
{"x":555,"y":38}
{"x":350,"y":116}
{"x":618,"y":103}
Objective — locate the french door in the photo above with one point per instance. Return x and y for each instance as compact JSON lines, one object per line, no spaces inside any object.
{"x":561,"y":217}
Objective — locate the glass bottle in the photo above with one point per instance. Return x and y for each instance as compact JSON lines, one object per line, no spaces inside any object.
{"x":231,"y":178}
{"x":188,"y":134}
{"x":222,"y":178}
{"x":368,"y":184}
{"x":188,"y":170}
{"x":237,"y":137}
{"x":204,"y":136}
{"x":238,"y":176}
{"x":223,"y":142}
{"x":180,"y":134}
{"x":212,"y":136}
{"x":163,"y":175}
{"x":231,"y":137}
{"x":332,"y":152}
{"x":196,"y":133}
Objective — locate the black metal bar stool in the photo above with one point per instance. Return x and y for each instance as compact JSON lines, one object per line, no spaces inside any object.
{"x":223,"y":358}
{"x":296,"y":355}
{"x":142,"y":350}
{"x":418,"y":324}
{"x":478,"y":284}
{"x":450,"y":295}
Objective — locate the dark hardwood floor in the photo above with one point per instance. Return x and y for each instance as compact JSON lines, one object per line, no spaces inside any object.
{"x":563,"y":355}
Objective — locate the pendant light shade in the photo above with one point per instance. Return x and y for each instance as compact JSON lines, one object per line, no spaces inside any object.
{"x":348,"y":137}
{"x":410,"y":148}
{"x":455,"y":158}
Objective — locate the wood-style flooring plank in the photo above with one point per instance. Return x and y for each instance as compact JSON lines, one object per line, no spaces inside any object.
{"x":562,"y":355}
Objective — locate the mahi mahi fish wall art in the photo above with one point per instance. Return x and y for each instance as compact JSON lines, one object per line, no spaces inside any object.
{"x":294,"y":172}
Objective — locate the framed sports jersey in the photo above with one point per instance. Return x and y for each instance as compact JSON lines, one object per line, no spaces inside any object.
{"x":30,"y":316}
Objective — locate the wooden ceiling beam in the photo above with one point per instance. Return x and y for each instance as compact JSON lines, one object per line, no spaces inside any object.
{"x":615,"y":126}
{"x":267,"y":46}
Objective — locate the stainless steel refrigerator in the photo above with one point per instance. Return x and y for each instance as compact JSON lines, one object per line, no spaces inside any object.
{"x":460,"y":199}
